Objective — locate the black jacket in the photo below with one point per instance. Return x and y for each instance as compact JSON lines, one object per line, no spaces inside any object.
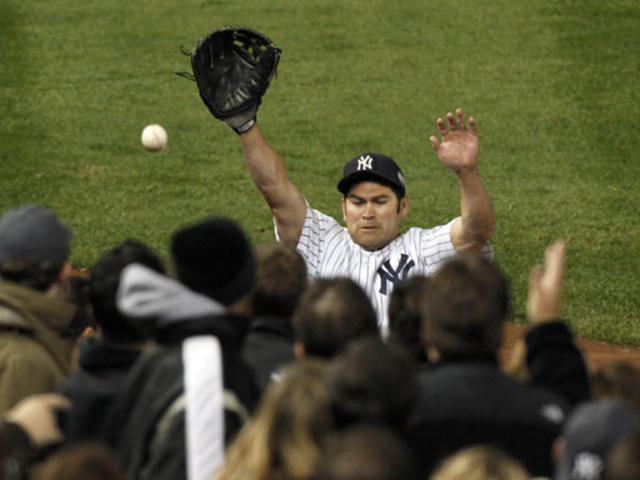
{"x":556,"y":363}
{"x":16,"y":452}
{"x":148,"y":419}
{"x":269,"y":346}
{"x":467,"y":401}
{"x":103,"y":366}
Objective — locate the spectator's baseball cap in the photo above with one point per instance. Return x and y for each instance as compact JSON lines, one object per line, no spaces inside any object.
{"x":589,"y":433}
{"x":375,"y":167}
{"x":33,"y":235}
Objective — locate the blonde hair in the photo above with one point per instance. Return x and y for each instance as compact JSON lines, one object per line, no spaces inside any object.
{"x":282,"y":440}
{"x":480,"y":462}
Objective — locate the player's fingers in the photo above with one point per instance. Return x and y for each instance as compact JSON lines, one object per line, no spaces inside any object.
{"x":461,"y":124}
{"x":435,"y":143}
{"x":452,"y":122}
{"x":472,"y":125}
{"x":442,"y":128}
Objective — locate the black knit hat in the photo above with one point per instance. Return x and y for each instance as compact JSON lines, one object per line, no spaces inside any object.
{"x":375,"y":167}
{"x":214,"y":258}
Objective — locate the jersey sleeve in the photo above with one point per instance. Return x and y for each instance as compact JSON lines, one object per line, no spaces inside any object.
{"x":437,"y":248}
{"x":317,"y":230}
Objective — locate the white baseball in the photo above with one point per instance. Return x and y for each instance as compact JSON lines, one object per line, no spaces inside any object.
{"x":154,"y":137}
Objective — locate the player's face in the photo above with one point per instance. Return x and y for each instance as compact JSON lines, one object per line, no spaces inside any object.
{"x":372,"y":214}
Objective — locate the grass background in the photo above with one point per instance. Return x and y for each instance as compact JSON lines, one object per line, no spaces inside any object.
{"x":553,"y":84}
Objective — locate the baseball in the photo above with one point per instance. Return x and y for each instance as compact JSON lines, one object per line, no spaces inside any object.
{"x":154,"y":137}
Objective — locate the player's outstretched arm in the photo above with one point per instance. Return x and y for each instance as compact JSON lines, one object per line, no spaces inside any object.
{"x":458,"y":150}
{"x":269,"y":173}
{"x":233,"y":68}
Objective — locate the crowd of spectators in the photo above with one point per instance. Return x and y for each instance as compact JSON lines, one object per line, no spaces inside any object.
{"x":230,"y":363}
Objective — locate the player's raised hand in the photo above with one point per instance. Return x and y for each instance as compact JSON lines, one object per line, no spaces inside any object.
{"x":458,"y":147}
{"x":545,"y":285}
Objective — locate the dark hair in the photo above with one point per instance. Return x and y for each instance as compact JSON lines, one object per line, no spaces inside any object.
{"x":623,"y":460}
{"x":405,"y":316}
{"x":371,"y":382}
{"x":467,"y":303}
{"x":280,"y":281}
{"x":215,"y":258}
{"x":366,"y":452}
{"x":617,"y":379}
{"x":332,"y":312}
{"x":77,"y":290}
{"x":89,"y":460}
{"x":105,"y":278}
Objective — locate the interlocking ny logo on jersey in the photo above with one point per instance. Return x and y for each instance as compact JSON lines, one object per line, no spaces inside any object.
{"x":394,"y":275}
{"x":364,"y":163}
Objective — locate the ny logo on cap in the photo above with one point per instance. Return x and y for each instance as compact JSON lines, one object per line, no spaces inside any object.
{"x":365,"y":163}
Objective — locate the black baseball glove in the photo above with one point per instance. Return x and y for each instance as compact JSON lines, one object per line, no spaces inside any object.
{"x":233,"y":68}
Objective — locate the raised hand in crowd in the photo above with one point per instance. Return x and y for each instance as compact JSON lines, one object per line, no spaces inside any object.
{"x":545,"y":285}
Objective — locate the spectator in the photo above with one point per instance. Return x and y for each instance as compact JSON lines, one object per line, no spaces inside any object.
{"x":214,"y":258}
{"x":331,"y":313}
{"x":480,"y":462}
{"x":280,"y":281}
{"x":187,"y":397}
{"x":106,"y":358}
{"x":465,"y":399}
{"x":282,"y":440}
{"x":36,"y":344}
{"x":553,"y":360}
{"x":588,"y":436}
{"x":371,"y":382}
{"x":85,"y":461}
{"x":618,"y":379}
{"x":405,"y":320}
{"x":547,"y":356}
{"x":365,"y":452}
{"x":623,"y":460}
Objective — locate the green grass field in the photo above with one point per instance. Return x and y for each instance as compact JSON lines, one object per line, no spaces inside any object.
{"x":553,"y":84}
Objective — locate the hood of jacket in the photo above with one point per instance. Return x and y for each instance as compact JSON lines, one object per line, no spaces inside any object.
{"x":173,"y":312}
{"x":159,"y":301}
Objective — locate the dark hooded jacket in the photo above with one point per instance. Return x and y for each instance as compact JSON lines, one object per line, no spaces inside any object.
{"x":148,"y":418}
{"x":103,"y":366}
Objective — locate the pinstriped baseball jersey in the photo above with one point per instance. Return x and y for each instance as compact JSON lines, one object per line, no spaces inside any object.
{"x":329,"y":251}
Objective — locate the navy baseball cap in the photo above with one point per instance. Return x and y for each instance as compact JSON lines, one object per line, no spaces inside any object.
{"x":375,"y":167}
{"x":34,"y":235}
{"x":590,"y":432}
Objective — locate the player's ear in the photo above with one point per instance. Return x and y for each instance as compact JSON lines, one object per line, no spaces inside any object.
{"x":404,"y":207}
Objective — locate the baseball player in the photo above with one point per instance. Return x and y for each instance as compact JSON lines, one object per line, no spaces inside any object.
{"x":371,"y":248}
